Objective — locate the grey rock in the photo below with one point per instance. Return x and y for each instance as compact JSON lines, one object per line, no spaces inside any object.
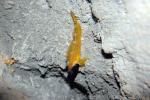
{"x":7,"y":4}
{"x":37,"y":33}
{"x":9,"y":93}
{"x":126,"y":36}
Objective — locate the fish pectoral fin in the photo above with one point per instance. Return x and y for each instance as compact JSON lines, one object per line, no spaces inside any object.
{"x":82,"y":61}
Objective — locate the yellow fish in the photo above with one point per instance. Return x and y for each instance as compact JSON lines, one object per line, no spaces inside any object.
{"x":74,"y":49}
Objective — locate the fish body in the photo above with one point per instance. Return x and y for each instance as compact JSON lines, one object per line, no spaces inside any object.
{"x":74,"y":50}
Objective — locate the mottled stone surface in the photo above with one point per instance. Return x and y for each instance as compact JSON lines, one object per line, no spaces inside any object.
{"x":127,"y":38}
{"x":9,"y":93}
{"x":115,"y":39}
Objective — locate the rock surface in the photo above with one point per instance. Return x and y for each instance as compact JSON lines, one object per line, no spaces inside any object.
{"x":115,"y":38}
{"x":8,"y":93}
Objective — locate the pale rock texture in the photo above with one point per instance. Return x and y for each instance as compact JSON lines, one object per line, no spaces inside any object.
{"x":128,"y":41}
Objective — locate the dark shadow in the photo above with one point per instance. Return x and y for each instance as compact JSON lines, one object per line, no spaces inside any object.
{"x":72,"y":74}
{"x":106,"y":55}
{"x":95,"y":19}
{"x":69,"y":79}
{"x":89,"y":1}
{"x":81,"y":88}
{"x":57,"y":71}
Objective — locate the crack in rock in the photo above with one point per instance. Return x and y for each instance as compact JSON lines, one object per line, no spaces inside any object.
{"x":87,"y":83}
{"x":48,"y":3}
{"x":11,"y":37}
{"x":56,"y":71}
{"x":103,"y":89}
{"x":115,"y":74}
{"x":94,"y":17}
{"x":116,"y":78}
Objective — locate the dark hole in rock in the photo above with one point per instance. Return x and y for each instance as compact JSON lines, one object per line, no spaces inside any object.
{"x":106,"y":55}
